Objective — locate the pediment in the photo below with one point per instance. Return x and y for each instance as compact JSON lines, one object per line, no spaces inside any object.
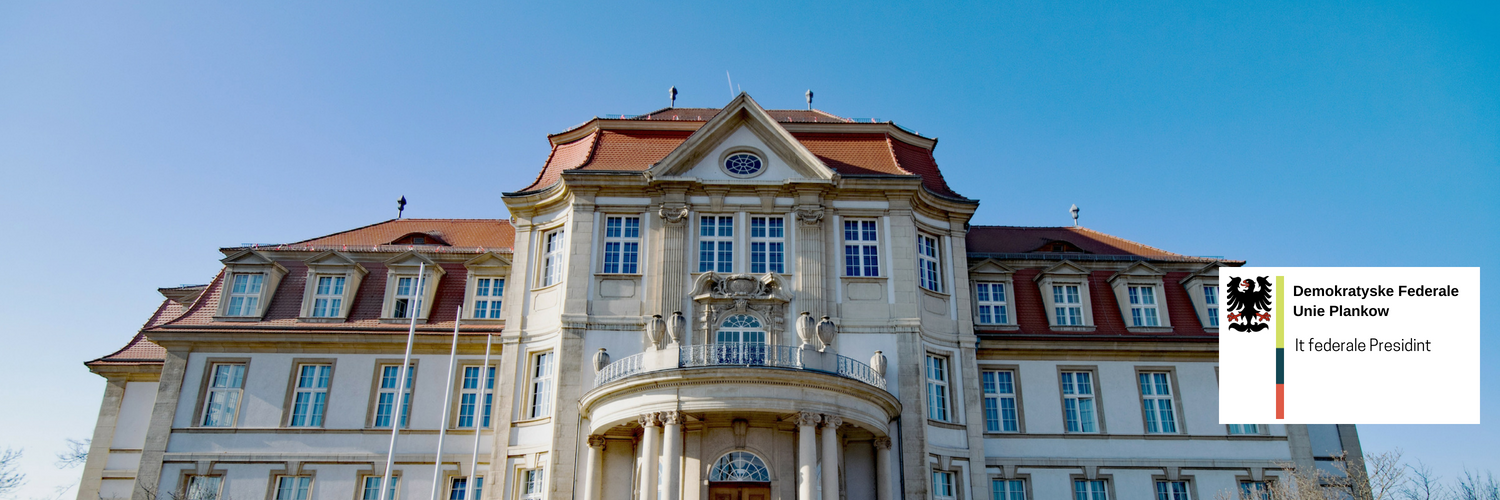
{"x":246,"y":258}
{"x":1209,"y":272}
{"x":741,"y":126}
{"x":410,"y":261}
{"x":990,"y":266}
{"x":1141,"y":271}
{"x":331,"y":261}
{"x":1064,"y":268}
{"x":488,"y":262}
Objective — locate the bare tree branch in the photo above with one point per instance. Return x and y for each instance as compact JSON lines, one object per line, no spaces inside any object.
{"x":10,"y":478}
{"x":77,"y":454}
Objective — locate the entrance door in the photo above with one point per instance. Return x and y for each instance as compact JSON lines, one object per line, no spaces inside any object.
{"x":739,"y":492}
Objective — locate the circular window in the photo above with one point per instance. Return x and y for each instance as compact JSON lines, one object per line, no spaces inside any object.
{"x":743,"y":165}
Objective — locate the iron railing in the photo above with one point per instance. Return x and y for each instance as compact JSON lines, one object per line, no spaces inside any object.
{"x":624,"y":367}
{"x":750,"y":355}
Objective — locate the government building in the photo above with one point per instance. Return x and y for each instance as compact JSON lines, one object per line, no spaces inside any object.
{"x":694,"y":304}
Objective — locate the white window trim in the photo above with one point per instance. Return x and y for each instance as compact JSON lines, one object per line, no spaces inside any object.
{"x":862,"y":245}
{"x":1260,"y":430}
{"x":751,"y":239}
{"x":452,"y":478}
{"x":321,"y":414}
{"x":332,"y":264}
{"x":1021,"y":479}
{"x":1094,"y":395}
{"x":551,"y":266}
{"x":490,"y":266}
{"x":1174,"y":398}
{"x":188,"y":486}
{"x":524,"y":481}
{"x":952,"y":483}
{"x":249,"y":262}
{"x":276,"y":486}
{"x":944,"y":386}
{"x":605,"y":240}
{"x":1109,"y":490}
{"x":937,"y":260}
{"x":1065,"y":274}
{"x":1141,"y":274}
{"x":396,"y":408}
{"x":395,"y":483}
{"x":540,"y":408}
{"x":479,"y":404}
{"x":1009,"y":303}
{"x":210,"y":367}
{"x":407,"y":265}
{"x":992,"y":272}
{"x":699,"y":239}
{"x":1014,"y":396}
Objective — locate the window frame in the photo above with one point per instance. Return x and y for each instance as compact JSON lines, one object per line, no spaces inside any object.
{"x":1067,"y":273}
{"x":1193,"y":284}
{"x":494,"y":304}
{"x":1138,"y":296}
{"x":330,"y":264}
{"x":988,"y":287}
{"x":373,"y":412}
{"x":551,"y":262}
{"x":1096,"y":394}
{"x":1189,"y":488}
{"x":453,"y":488}
{"x":944,"y":386}
{"x":1178,"y":414}
{"x":718,"y":239}
{"x":952,"y":482}
{"x":1022,"y":479}
{"x":864,"y":246}
{"x":779,"y":266}
{"x":483,"y":412}
{"x":1108,"y":490}
{"x":338,"y":284}
{"x":188,"y":478}
{"x":1015,"y":396}
{"x":276,"y":479}
{"x":1260,"y":430}
{"x":633,"y":267}
{"x":395,"y":488}
{"x":490,"y":266}
{"x":525,"y":480}
{"x":532,"y":410}
{"x":288,"y":407}
{"x":205,"y":392}
{"x":249,"y":262}
{"x":935,"y":260}
{"x":1268,"y":482}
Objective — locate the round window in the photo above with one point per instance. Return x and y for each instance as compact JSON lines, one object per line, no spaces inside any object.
{"x":743,"y":164}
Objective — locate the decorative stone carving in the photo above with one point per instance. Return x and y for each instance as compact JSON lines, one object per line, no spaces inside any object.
{"x":826,"y":332}
{"x":806,"y":329}
{"x":673,"y":417}
{"x":831,"y":422}
{"x":882,"y":443}
{"x":655,"y":327}
{"x":601,"y":359}
{"x":649,"y":420}
{"x":808,"y":418}
{"x":717,"y":295}
{"x":674,"y":215}
{"x":676,"y":327}
{"x":877,"y":363}
{"x":741,"y":427}
{"x":810,"y":216}
{"x":596,"y":442}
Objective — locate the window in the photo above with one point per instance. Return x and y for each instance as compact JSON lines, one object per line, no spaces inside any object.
{"x":740,"y":340}
{"x":767,"y":245}
{"x":1000,"y":402}
{"x":311,"y":395}
{"x":541,"y":385}
{"x":1143,"y":306}
{"x":1068,"y":305}
{"x":385,"y":403}
{"x":861,"y":252}
{"x":1172,"y":490}
{"x":203,"y":487}
{"x":1245,"y":429}
{"x":409,"y":297}
{"x":1007,"y":489}
{"x":328,"y":297}
{"x":743,"y":165}
{"x":942,"y":485}
{"x":1255,"y":490}
{"x":928,"y":263}
{"x":225,"y":383}
{"x":552,"y":257}
{"x":472,"y":398}
{"x":716,"y":244}
{"x":1211,"y":297}
{"x":487,"y":293}
{"x":1084,"y":489}
{"x":739,"y":466}
{"x":532,"y":484}
{"x":937,"y":388}
{"x":293,"y":487}
{"x":622,"y":244}
{"x":1078,"y":401}
{"x":459,"y":488}
{"x":1156,"y":398}
{"x":991,"y":299}
{"x":244,"y":295}
{"x":370,"y":488}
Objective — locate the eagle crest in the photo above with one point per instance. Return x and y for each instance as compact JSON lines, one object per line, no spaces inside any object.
{"x":1250,"y":303}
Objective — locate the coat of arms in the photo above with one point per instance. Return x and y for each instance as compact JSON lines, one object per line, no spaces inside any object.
{"x":1250,"y":303}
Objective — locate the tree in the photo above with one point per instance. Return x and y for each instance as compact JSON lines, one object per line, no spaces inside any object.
{"x":10,"y":478}
{"x":77,"y":454}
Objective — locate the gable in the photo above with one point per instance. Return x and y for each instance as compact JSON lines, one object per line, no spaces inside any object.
{"x":743,"y":120}
{"x":742,"y":140}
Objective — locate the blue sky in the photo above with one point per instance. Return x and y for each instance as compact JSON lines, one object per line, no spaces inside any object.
{"x":136,"y":139}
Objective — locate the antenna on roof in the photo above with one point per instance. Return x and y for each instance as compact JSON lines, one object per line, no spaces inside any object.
{"x":400,"y":206}
{"x":731,"y":83}
{"x":1074,"y":211}
{"x":674,"y":97}
{"x":809,"y":99}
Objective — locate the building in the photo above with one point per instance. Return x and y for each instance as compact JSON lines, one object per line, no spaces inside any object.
{"x":694,"y":304}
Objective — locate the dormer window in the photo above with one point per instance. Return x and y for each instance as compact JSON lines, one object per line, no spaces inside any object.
{"x":332,"y":280}
{"x":419,"y":239}
{"x":1140,"y":295}
{"x":249,"y":280}
{"x":244,"y":294}
{"x":1067,"y":305}
{"x":408,"y":293}
{"x":1143,"y":306}
{"x":1058,"y":246}
{"x":994,"y":290}
{"x":1065,"y":294}
{"x":328,"y":297}
{"x":1202,"y":288}
{"x":486,"y":286}
{"x":408,"y":296}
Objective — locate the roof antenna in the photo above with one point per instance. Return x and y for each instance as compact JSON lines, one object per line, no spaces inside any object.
{"x":674,"y":97}
{"x":400,"y":206}
{"x":809,"y":99}
{"x":1074,"y":211}
{"x":731,"y":83}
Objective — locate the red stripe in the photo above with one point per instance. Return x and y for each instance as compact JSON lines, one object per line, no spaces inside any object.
{"x":1280,"y":401}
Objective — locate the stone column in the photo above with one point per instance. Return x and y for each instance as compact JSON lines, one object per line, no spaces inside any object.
{"x":675,"y":219}
{"x":159,"y":430}
{"x":672,"y":444}
{"x":650,"y":455}
{"x":810,"y":245}
{"x":104,"y":435}
{"x":807,"y":453}
{"x":594,"y":476}
{"x":831,"y":425}
{"x":882,"y":468}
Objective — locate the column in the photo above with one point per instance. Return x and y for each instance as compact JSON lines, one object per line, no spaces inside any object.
{"x":882,"y":468}
{"x":650,"y":456}
{"x":831,"y":425}
{"x":594,"y":476}
{"x":807,"y":453}
{"x":672,"y":442}
{"x":810,"y":244}
{"x":674,"y":212}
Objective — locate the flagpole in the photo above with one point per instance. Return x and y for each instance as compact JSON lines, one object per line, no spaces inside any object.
{"x":411,"y":335}
{"x":484,"y":386}
{"x":437,"y":467}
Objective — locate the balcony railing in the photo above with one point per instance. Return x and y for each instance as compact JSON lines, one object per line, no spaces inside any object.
{"x":751,"y":355}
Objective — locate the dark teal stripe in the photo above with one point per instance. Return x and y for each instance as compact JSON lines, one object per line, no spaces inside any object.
{"x":1280,"y":366}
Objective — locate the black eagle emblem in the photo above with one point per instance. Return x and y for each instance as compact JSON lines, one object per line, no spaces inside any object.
{"x":1249,"y":303}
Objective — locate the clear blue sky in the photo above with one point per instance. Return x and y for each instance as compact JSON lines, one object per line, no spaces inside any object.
{"x":137,"y":138}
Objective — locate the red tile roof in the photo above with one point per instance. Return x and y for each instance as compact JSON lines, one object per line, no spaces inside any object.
{"x":847,"y":153}
{"x":1031,"y":311}
{"x":461,"y":234}
{"x":1033,"y":240}
{"x":142,"y":351}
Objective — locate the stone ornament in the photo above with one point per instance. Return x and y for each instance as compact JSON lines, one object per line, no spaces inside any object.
{"x":882,"y":443}
{"x":596,"y":442}
{"x":877,"y":363}
{"x":808,"y":418}
{"x":601,"y":359}
{"x":649,"y":420}
{"x":806,"y":328}
{"x":655,"y":328}
{"x":674,"y":215}
{"x":810,"y":216}
{"x":673,"y":417}
{"x":826,"y":332}
{"x":676,"y":327}
{"x":741,"y":427}
{"x":832,"y":421}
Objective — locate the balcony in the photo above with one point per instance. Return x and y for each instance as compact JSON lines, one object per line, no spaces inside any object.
{"x":739,"y":355}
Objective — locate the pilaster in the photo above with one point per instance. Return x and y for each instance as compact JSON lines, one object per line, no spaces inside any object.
{"x":104,"y":434}
{"x":159,"y":430}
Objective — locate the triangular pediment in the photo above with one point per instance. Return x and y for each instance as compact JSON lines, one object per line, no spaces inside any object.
{"x":1064,"y":268}
{"x":990,"y":266}
{"x":742,"y":126}
{"x":1142,"y":269}
{"x":488,"y":262}
{"x":331,"y":261}
{"x":410,"y":261}
{"x":1209,"y":272}
{"x":246,"y":258}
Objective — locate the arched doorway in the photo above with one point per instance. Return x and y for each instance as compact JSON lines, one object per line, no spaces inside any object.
{"x":739,"y":475}
{"x":741,"y":340}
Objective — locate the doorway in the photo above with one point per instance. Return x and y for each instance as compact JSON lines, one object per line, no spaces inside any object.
{"x":739,"y":491}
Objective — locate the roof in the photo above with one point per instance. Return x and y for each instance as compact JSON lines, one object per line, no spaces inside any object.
{"x":1031,"y":311}
{"x":141,"y":351}
{"x":853,"y":153}
{"x":1035,"y":241}
{"x":474,"y":235}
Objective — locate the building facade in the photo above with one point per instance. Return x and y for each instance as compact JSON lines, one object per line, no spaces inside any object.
{"x":694,"y":304}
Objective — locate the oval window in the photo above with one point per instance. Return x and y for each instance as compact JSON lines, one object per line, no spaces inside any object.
{"x":743,"y":164}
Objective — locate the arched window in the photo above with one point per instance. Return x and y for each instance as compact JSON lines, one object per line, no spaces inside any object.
{"x":739,"y":466}
{"x":741,"y":329}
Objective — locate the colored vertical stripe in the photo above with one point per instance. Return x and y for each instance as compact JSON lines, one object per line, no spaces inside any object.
{"x":1280,"y":351}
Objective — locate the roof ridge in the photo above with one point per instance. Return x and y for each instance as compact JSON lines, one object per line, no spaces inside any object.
{"x":1133,"y":242}
{"x":824,"y":113}
{"x":341,"y":232}
{"x":890,"y":148}
{"x":588,"y":158}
